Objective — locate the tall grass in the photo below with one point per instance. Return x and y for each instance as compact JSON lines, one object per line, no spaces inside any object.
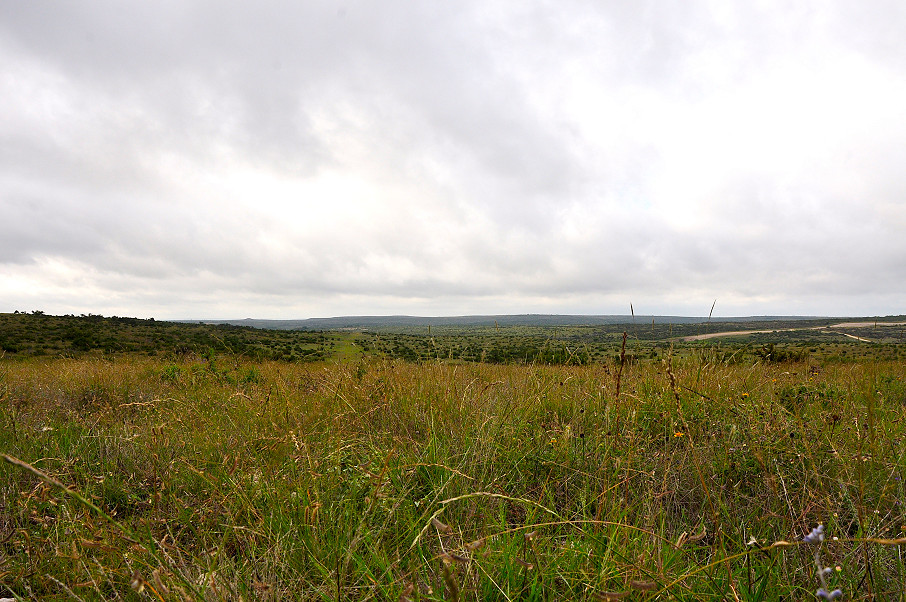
{"x":226,"y":480}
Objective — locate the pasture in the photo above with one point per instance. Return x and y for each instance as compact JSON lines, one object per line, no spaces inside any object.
{"x":686,"y":476}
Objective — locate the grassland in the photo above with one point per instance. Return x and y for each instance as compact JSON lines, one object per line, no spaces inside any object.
{"x":25,"y":335}
{"x":185,"y":472}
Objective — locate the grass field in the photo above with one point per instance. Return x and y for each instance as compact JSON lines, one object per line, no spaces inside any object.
{"x":219,"y":478}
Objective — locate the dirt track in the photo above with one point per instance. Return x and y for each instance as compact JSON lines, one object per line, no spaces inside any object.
{"x":730,"y":333}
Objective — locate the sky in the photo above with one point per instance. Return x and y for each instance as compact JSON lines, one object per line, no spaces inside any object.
{"x":216,"y":159}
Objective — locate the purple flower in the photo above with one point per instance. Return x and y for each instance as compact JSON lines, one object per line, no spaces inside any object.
{"x":816,"y":536}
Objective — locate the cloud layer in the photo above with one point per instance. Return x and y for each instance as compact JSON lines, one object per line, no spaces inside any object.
{"x":209,"y":159}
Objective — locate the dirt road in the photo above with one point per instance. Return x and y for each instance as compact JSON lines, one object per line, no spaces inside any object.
{"x":730,"y":333}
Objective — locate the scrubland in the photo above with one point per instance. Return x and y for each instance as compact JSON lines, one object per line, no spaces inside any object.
{"x":222,"y":479}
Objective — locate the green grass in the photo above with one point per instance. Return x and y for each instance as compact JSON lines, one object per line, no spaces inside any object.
{"x":376,"y":479}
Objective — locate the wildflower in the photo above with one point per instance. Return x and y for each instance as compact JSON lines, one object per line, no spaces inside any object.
{"x":816,"y":536}
{"x":678,"y":434}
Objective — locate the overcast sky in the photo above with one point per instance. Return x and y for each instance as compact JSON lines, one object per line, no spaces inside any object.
{"x":210,"y":159}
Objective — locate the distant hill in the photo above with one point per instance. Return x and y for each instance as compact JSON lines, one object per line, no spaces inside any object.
{"x":366,"y":322}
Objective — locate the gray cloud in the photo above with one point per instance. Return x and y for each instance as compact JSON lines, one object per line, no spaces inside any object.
{"x":208,"y":158}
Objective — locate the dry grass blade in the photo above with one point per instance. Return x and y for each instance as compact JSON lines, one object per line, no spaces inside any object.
{"x":159,"y":584}
{"x":701,"y":535}
{"x":450,"y":557}
{"x":883,"y":542}
{"x":475,"y":545}
{"x":41,"y":475}
{"x":441,"y":527}
{"x":610,"y":595}
{"x":452,"y":586}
